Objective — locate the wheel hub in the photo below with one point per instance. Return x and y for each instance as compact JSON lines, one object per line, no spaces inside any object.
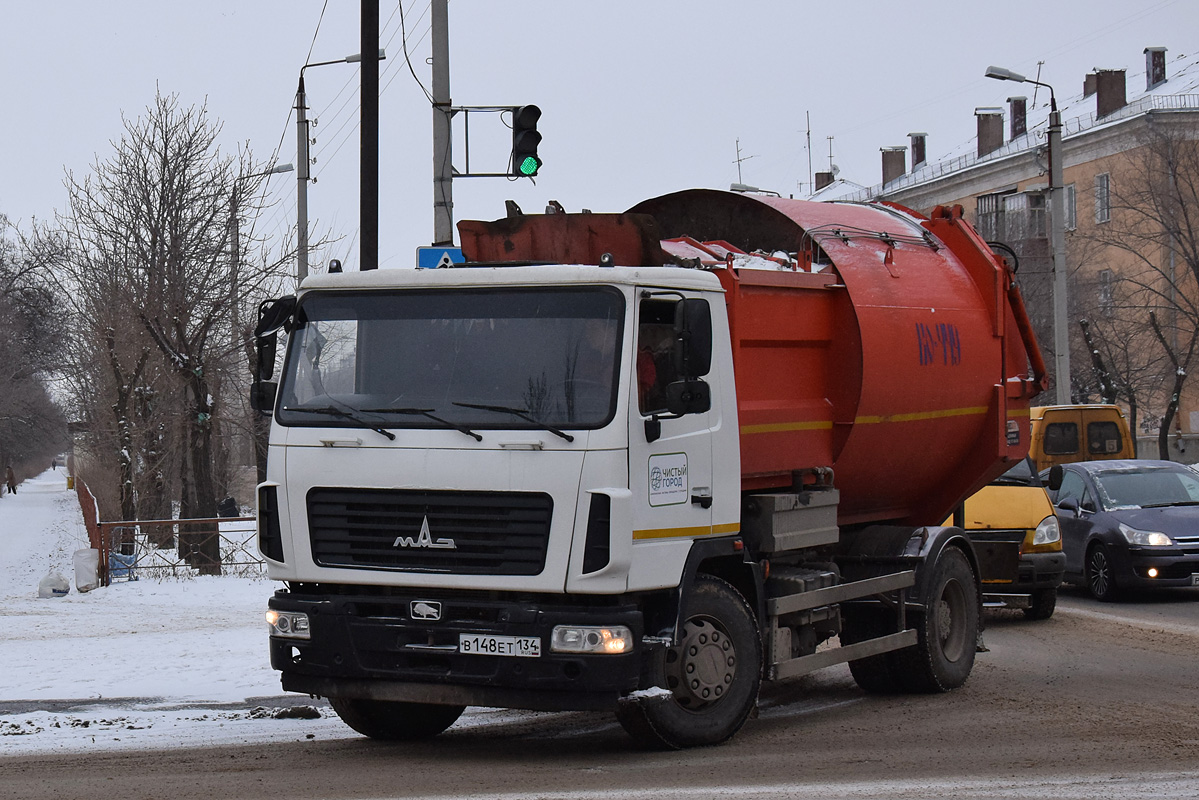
{"x":701,"y":669}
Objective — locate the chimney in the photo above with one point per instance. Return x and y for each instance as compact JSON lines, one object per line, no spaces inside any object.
{"x":1155,"y":67}
{"x":1018,"y":108}
{"x":894,"y":163}
{"x":1088,"y":86}
{"x":918,"y":141}
{"x":1109,"y":91}
{"x":823,"y":179}
{"x":990,"y":130}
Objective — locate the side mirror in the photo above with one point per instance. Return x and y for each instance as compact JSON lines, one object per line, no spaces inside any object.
{"x":267,"y":346}
{"x":688,"y":397}
{"x":262,"y":396}
{"x":693,"y":338}
{"x":1069,"y":504}
{"x":1055,"y":477}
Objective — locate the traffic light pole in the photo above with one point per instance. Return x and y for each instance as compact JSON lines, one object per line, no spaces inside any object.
{"x":443,"y":170}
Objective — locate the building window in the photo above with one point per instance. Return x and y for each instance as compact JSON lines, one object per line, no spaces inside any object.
{"x":1071,"y":208}
{"x":1103,"y":198}
{"x":1106,"y":304}
{"x":1024,"y":215}
{"x":991,"y":217}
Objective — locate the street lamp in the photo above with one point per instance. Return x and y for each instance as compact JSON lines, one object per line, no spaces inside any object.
{"x":302,"y":158}
{"x":235,"y":240}
{"x":1057,"y":234}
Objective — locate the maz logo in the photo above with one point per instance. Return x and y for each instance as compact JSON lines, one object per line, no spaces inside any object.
{"x":424,"y":539}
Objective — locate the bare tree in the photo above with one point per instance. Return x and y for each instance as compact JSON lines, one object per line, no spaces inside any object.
{"x":147,"y":251}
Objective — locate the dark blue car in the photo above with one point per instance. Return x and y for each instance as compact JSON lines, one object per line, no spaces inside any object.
{"x":1127,"y":524}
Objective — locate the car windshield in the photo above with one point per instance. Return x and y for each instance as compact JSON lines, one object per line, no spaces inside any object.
{"x":461,"y":359}
{"x":1141,"y":487}
{"x":1021,"y":474}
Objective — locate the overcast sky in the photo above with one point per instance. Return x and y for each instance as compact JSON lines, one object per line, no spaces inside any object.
{"x":639,"y":98}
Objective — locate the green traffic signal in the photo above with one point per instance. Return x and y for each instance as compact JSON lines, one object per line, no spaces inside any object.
{"x":525,"y":138}
{"x":529,"y":166}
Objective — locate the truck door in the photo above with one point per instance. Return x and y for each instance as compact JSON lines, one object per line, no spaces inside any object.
{"x":670,"y":476}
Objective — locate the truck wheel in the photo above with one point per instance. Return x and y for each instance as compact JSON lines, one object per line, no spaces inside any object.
{"x":383,"y":719}
{"x":874,"y":674}
{"x":947,"y":629}
{"x":713,"y":674}
{"x":1041,"y":604}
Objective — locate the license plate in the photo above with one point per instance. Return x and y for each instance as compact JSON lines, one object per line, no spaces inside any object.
{"x":513,"y":646}
{"x":1195,"y":579}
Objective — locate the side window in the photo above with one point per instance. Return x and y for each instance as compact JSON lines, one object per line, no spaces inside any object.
{"x":1061,"y":439}
{"x":1104,"y":438}
{"x":1103,"y":197}
{"x":655,"y":362}
{"x":1072,"y":488}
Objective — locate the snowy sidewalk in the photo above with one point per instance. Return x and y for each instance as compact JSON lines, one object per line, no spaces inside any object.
{"x":126,"y":651}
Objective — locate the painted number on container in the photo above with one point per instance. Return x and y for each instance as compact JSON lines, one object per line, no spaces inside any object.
{"x":939,"y":344}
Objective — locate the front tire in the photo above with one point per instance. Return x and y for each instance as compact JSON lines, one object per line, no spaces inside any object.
{"x":713,"y":675}
{"x":394,"y":721}
{"x":947,"y":629}
{"x":1041,"y":604}
{"x":1101,"y":580}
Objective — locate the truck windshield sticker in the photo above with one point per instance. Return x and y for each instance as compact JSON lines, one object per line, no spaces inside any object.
{"x":668,"y":481}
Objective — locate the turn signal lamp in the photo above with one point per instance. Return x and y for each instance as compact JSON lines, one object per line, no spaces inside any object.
{"x":612,"y":640}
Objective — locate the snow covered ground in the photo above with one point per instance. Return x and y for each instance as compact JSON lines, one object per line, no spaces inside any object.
{"x":140,"y":664}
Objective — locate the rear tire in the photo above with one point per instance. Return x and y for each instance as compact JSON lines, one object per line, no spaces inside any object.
{"x":947,"y":629}
{"x":713,"y":674}
{"x":394,"y":721}
{"x":1041,"y":604}
{"x":1101,"y":580}
{"x":873,"y":674}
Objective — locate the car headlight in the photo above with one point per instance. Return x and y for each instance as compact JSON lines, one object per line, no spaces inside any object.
{"x":288,"y":624}
{"x":612,"y":640}
{"x":1145,"y":538}
{"x":1047,"y":532}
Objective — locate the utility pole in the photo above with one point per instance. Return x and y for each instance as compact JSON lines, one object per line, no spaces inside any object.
{"x":443,"y":170}
{"x":368,"y":202}
{"x":302,"y":164}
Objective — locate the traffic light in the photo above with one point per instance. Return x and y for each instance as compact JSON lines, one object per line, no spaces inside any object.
{"x":525,"y":139}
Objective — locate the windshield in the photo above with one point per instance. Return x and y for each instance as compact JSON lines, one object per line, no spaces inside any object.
{"x":464,"y":359}
{"x":1020,"y":474}
{"x":1159,"y":487}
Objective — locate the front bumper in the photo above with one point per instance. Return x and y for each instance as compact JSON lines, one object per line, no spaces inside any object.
{"x":1174,"y":567}
{"x":1036,"y":571}
{"x":370,"y":646}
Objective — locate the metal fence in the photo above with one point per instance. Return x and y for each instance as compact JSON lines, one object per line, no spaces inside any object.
{"x":178,"y":548}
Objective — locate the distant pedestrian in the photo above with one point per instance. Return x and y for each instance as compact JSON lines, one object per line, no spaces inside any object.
{"x":10,"y":478}
{"x":54,"y":463}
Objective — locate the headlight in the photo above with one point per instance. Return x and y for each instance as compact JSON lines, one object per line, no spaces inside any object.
{"x":1145,"y":538}
{"x":591,"y":639}
{"x":1047,"y":532}
{"x":288,"y":624}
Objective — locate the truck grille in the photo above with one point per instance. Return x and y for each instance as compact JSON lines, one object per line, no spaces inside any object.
{"x":491,"y":533}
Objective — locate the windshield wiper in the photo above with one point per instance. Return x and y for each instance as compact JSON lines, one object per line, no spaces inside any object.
{"x":1172,"y":503}
{"x":424,"y":412}
{"x":333,"y":411}
{"x":523,"y":413}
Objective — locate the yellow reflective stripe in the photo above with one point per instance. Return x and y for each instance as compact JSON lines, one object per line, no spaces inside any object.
{"x":782,"y":427}
{"x":700,"y":530}
{"x":1019,"y":413}
{"x":917,"y":416}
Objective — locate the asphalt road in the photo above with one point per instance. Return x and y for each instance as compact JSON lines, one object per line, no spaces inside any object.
{"x":1097,"y":702}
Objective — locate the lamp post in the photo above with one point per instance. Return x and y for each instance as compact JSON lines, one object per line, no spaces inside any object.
{"x":304,"y":161}
{"x":1057,"y":236}
{"x":235,"y":241}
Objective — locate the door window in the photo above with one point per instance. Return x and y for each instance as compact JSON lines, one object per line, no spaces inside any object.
{"x":1061,"y":439}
